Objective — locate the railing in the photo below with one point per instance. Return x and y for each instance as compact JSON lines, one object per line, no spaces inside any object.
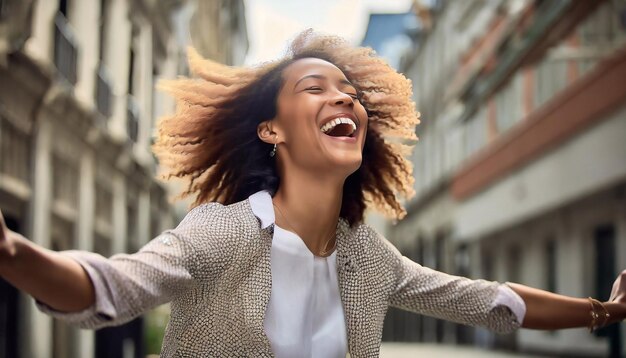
{"x":103,"y":91}
{"x":132,"y":118}
{"x":65,"y":49}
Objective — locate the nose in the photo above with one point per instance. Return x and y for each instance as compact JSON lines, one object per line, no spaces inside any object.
{"x":341,"y":98}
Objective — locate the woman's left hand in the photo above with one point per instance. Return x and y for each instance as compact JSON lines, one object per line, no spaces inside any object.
{"x":618,"y":293}
{"x":618,"y":297}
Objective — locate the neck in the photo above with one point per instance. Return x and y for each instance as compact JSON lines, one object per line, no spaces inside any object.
{"x":311,"y":205}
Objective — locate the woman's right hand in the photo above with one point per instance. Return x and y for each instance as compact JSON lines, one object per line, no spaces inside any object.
{"x":8,"y":243}
{"x":58,"y":281}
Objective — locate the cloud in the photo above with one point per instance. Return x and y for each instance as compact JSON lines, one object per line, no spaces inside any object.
{"x":272,"y":23}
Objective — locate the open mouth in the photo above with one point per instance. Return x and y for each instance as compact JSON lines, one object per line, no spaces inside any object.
{"x":340,"y":127}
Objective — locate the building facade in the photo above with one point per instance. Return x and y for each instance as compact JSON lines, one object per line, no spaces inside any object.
{"x":77,"y":115}
{"x":226,"y":39}
{"x":521,"y":165}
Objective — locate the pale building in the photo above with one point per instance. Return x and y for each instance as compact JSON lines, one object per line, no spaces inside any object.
{"x":218,"y":30}
{"x":77,"y":112}
{"x":521,"y":165}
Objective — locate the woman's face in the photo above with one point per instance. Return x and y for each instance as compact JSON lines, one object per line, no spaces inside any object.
{"x":320,"y":122}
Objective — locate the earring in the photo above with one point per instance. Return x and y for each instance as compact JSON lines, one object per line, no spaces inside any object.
{"x":273,"y":152}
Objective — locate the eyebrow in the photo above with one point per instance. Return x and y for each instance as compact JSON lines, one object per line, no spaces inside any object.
{"x":322,"y":77}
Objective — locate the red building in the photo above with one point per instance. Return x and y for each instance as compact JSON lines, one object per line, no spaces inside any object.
{"x":521,"y":165}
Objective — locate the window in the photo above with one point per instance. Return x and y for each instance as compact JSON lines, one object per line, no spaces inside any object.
{"x":605,"y":272}
{"x":605,"y":249}
{"x":132,"y":119}
{"x":65,"y":45}
{"x":156,"y":104}
{"x":65,"y":180}
{"x":63,"y":7}
{"x":103,"y":223}
{"x":102,"y":27}
{"x":132,"y":105}
{"x":3,"y":9}
{"x":508,"y":103}
{"x":102,"y":245}
{"x":15,"y":151}
{"x":103,"y":91}
{"x":103,"y":87}
{"x":602,"y":31}
{"x":476,"y":132}
{"x":132,"y":244}
{"x":551,"y":77}
{"x":551,"y":271}
{"x":462,"y":260}
{"x":131,"y":71}
{"x":132,"y":222}
{"x":104,"y":203}
{"x":514,"y":263}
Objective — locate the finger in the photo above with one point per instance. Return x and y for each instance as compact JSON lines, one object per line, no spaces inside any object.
{"x":3,"y":227}
{"x":615,"y":289}
{"x":619,"y":286}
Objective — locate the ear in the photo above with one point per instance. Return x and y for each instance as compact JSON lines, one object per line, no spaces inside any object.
{"x":265,"y":132}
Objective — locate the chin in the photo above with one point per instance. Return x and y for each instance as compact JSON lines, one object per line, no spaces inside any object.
{"x":348,"y":165}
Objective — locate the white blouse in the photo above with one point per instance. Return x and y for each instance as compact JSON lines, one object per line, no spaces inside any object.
{"x":304,"y":317}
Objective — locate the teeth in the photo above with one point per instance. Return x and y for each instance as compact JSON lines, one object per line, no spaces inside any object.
{"x":331,"y":124}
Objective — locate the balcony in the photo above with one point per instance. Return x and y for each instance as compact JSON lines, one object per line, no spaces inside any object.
{"x":65,"y":49}
{"x":103,"y":92}
{"x":132,"y":118}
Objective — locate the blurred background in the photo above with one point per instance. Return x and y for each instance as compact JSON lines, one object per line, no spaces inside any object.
{"x":520,"y":171}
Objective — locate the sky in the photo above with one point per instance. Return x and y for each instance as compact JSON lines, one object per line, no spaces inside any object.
{"x":272,"y":23}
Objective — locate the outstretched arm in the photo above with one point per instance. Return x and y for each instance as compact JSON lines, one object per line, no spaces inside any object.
{"x":476,"y":302}
{"x":547,"y":310}
{"x":46,"y":275}
{"x":92,"y":291}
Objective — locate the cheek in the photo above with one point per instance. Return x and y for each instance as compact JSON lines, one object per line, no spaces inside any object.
{"x":294,"y":119}
{"x":361,"y":113}
{"x":287,"y":113}
{"x":293,"y":108}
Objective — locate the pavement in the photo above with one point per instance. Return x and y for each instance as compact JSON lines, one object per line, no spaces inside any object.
{"x":412,"y":350}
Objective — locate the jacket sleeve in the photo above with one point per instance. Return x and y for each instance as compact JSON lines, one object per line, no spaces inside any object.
{"x":454,"y":298}
{"x":127,"y":285}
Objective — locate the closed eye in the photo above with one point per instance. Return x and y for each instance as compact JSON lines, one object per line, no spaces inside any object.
{"x":355,"y":96}
{"x":317,"y":88}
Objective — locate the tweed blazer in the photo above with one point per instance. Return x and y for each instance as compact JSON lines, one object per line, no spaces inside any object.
{"x":214,"y":268}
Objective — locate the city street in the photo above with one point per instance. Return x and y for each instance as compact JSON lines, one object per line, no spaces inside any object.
{"x":435,"y":165}
{"x":412,"y":350}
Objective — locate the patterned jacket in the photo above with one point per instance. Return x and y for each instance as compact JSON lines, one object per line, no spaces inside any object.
{"x":215,"y":269}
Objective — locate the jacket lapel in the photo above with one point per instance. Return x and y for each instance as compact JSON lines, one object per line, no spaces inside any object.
{"x":258,"y":252}
{"x":347,"y":275}
{"x":267,"y":235}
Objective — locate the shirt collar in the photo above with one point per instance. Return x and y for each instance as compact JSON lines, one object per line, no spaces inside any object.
{"x":262,"y":207}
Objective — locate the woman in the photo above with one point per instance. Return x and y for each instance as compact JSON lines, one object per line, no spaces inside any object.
{"x":274,"y":259}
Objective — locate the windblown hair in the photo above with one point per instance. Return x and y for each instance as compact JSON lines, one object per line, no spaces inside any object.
{"x":211,"y":140}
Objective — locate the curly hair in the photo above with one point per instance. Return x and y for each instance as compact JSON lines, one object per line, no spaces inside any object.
{"x":211,"y":140}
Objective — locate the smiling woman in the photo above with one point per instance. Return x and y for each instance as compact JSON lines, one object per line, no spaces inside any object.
{"x":275,"y":260}
{"x":212,"y":139}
